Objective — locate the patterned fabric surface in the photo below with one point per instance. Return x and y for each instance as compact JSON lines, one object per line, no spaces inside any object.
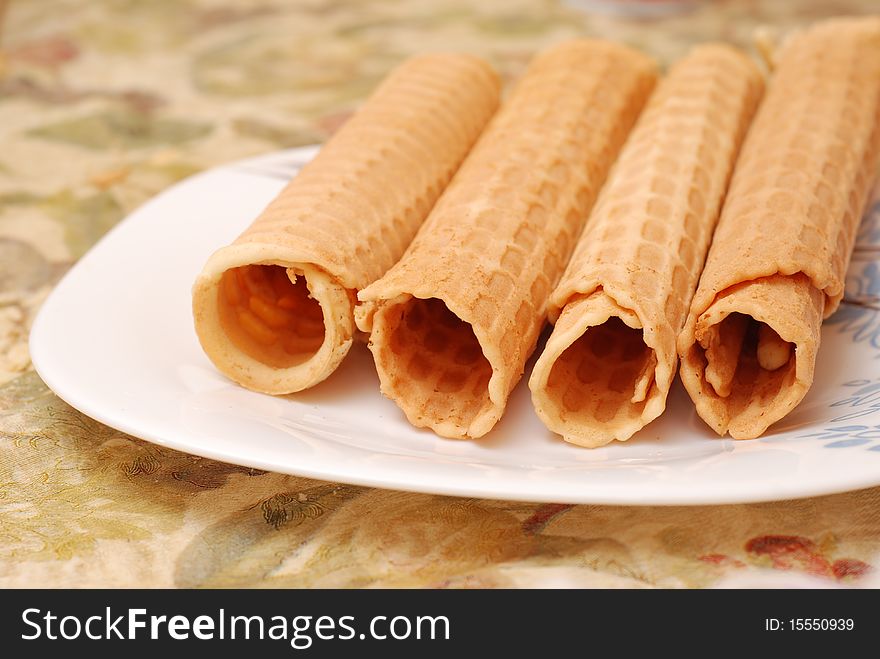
{"x":105,"y":103}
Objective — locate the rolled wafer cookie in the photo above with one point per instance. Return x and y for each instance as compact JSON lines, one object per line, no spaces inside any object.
{"x":607,"y":367}
{"x":274,"y":310}
{"x":453,"y":323}
{"x":784,"y":239}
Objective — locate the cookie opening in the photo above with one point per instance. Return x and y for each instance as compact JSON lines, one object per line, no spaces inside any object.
{"x":747,"y":356}
{"x":436,"y":364}
{"x":270,"y":317}
{"x":607,"y":372}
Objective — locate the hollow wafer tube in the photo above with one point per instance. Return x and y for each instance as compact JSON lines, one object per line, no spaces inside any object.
{"x":274,"y":310}
{"x":783,"y":243}
{"x":607,"y":367}
{"x":453,"y":323}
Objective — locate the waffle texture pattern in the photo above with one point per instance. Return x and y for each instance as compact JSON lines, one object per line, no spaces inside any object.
{"x":606,"y":369}
{"x":344,"y":220}
{"x":453,"y":323}
{"x":787,"y":227}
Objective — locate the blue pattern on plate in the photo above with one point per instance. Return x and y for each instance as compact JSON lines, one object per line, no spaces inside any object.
{"x":869,"y":230}
{"x":846,"y":443}
{"x":863,"y":400}
{"x":860,"y":312}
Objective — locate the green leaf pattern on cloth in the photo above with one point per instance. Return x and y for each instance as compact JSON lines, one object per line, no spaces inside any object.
{"x":121,"y":130}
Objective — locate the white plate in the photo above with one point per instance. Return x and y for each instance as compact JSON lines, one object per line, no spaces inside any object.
{"x":115,"y":340}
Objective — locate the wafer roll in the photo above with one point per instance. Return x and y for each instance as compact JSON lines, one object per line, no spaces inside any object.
{"x":608,"y":365}
{"x":783,"y":243}
{"x":274,"y":310}
{"x":453,"y":323}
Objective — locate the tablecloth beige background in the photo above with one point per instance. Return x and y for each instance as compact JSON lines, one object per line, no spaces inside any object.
{"x":105,"y":103}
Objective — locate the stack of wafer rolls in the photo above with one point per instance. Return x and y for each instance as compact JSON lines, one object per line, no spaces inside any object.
{"x":607,"y":367}
{"x":453,"y":323}
{"x":779,"y":256}
{"x":274,"y":310}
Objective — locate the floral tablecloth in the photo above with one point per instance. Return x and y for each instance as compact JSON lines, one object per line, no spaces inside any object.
{"x":105,"y":103}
